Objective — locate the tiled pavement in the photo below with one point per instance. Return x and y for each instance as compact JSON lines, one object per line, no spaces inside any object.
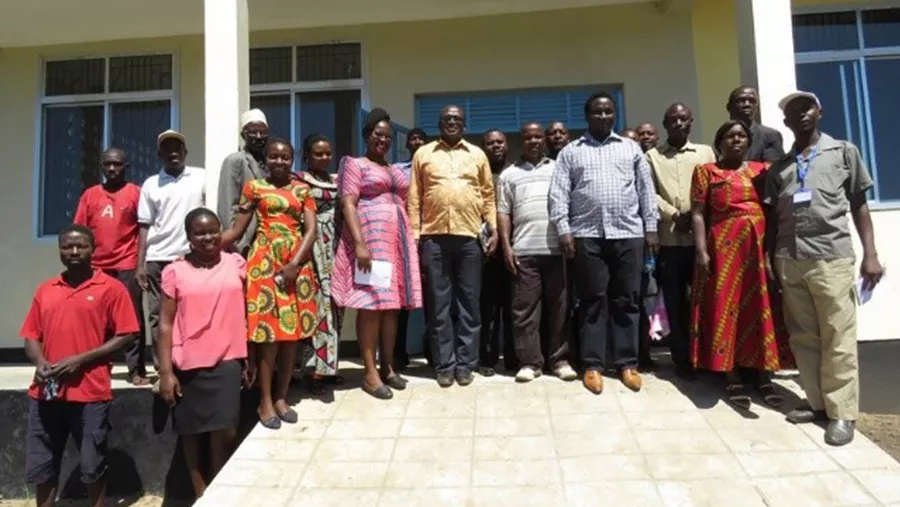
{"x":548,"y":443}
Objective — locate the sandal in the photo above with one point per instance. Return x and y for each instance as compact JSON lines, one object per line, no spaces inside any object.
{"x":395,"y":381}
{"x":737,"y":395}
{"x":770,"y":395}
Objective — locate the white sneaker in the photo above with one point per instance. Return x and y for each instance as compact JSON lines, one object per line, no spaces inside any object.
{"x":527,"y":374}
{"x":565,"y":372}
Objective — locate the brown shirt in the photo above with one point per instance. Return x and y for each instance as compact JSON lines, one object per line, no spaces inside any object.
{"x":451,"y":190}
{"x":817,"y":228}
{"x":673,"y":169}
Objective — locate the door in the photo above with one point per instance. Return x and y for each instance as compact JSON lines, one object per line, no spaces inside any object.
{"x":333,"y":115}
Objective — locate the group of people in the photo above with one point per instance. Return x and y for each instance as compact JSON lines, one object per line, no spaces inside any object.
{"x":554,"y":252}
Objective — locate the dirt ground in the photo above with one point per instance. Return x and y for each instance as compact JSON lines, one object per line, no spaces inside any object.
{"x":884,"y":430}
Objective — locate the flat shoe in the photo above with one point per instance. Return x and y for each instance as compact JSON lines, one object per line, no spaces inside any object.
{"x":290,"y":416}
{"x":272,"y":423}
{"x":381,"y":392}
{"x":396,"y":382}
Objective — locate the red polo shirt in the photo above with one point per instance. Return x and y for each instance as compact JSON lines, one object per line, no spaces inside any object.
{"x":72,"y":320}
{"x":113,"y":218}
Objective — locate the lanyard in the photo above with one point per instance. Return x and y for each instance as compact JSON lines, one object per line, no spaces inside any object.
{"x":803,"y":165}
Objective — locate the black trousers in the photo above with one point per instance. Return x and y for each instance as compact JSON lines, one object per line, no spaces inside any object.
{"x":452,"y":268}
{"x":134,"y":352}
{"x":608,"y":281}
{"x":675,"y":272}
{"x":496,"y":314}
{"x":540,"y":310}
{"x":154,"y":302}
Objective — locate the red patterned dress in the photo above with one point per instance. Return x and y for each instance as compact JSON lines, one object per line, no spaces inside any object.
{"x":735,"y":321}
{"x":382,"y":215}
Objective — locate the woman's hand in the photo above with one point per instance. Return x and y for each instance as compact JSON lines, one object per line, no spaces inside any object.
{"x":248,"y":374}
{"x":703,"y":263}
{"x":363,"y":258}
{"x":289,"y":273}
{"x":169,"y":388}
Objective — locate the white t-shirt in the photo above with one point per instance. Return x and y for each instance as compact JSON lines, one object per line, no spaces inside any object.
{"x":165,"y":202}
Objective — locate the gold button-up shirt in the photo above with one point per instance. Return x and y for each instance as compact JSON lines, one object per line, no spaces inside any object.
{"x":451,"y":190}
{"x":673,"y":169}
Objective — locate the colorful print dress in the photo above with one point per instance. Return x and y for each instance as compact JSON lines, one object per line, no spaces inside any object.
{"x":276,"y":313}
{"x":325,"y":341}
{"x":382,"y":192}
{"x":735,"y":321}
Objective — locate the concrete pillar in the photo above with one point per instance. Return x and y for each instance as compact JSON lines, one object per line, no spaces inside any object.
{"x":226,"y":83}
{"x":766,"y":52}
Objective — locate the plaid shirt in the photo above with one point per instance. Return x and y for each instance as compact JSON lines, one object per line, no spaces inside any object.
{"x":603,"y":190}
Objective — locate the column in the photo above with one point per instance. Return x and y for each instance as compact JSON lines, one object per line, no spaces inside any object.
{"x":766,"y":51}
{"x":226,"y":83}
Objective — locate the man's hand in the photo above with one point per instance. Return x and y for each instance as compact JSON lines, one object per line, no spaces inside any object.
{"x":703,"y":264}
{"x":68,"y":367}
{"x":651,"y":239}
{"x":492,"y":243}
{"x":871,"y":271}
{"x":511,"y":261}
{"x":683,"y":222}
{"x":567,"y":245}
{"x":42,"y":373}
{"x":774,"y":283}
{"x":142,"y":278}
{"x":169,"y":388}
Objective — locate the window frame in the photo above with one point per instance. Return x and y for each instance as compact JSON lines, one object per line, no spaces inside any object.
{"x":294,"y":87}
{"x":858,"y":55}
{"x":105,"y":99}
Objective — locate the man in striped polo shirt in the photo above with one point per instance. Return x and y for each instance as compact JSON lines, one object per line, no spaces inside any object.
{"x":532,"y":254}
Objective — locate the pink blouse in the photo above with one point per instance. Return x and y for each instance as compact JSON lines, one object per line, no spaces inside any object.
{"x":209,"y":326}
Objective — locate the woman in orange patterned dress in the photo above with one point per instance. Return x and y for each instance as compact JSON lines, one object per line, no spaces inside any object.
{"x":281,"y":289}
{"x":735,"y":325}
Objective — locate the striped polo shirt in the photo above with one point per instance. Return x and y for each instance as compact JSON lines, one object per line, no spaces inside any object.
{"x":523,"y":190}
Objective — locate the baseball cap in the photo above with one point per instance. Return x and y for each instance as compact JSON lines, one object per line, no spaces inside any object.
{"x":170,"y":134}
{"x":798,"y":95}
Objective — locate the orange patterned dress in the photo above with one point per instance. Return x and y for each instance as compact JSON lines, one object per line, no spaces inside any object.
{"x":735,"y":321}
{"x":278,"y":313}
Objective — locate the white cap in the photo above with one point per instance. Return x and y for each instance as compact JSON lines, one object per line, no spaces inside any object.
{"x":170,"y":134}
{"x":253,"y":116}
{"x":798,"y":95}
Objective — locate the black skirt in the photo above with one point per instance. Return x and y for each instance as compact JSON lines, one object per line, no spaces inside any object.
{"x":210,"y":399}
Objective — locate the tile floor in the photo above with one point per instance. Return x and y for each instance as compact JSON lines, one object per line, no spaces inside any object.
{"x":548,"y":443}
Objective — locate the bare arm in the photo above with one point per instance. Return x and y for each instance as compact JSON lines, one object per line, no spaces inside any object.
{"x":238,"y":228}
{"x":309,"y":237}
{"x":351,"y":219}
{"x":142,"y":244}
{"x":164,"y":344}
{"x":504,"y":224}
{"x":698,"y":223}
{"x":862,"y":219}
{"x":35,"y":352}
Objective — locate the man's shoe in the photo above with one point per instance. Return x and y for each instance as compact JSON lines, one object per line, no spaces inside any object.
{"x":632,"y":379}
{"x":486,"y":371}
{"x":565,"y":372}
{"x":445,"y":379}
{"x":593,"y":381}
{"x":805,"y":414}
{"x":527,"y":374}
{"x":464,"y":378}
{"x":839,"y":432}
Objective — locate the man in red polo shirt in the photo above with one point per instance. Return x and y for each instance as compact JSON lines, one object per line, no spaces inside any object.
{"x":76,"y":322}
{"x":110,"y":211}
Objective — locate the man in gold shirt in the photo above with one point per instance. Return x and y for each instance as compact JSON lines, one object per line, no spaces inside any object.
{"x":453,"y":214}
{"x":673,"y":164}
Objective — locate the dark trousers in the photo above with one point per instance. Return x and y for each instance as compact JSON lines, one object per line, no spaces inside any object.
{"x":540,"y":311}
{"x":675,"y":272}
{"x":608,"y":281}
{"x":496,"y":314}
{"x":154,"y":301}
{"x":644,"y":342}
{"x":134,"y":352}
{"x":401,"y":352}
{"x":452,"y":268}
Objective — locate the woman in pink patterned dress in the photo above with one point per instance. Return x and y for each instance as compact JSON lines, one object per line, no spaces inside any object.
{"x":376,"y":229}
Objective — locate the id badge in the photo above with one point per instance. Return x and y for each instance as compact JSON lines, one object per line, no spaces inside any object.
{"x":802,"y":196}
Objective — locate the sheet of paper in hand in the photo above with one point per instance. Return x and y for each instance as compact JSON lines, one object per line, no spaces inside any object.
{"x":379,"y":276}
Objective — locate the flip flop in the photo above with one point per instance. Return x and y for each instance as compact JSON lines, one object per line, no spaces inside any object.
{"x":738,"y":396}
{"x":770,"y":395}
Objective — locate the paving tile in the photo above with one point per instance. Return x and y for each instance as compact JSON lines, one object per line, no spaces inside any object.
{"x":667,"y":420}
{"x":303,"y":430}
{"x":862,"y":458}
{"x":222,"y":495}
{"x":837,"y":488}
{"x":604,"y":468}
{"x":276,"y":450}
{"x":785,"y":463}
{"x":515,"y":495}
{"x":462,"y":427}
{"x":433,"y":449}
{"x":580,"y":401}
{"x":339,"y":475}
{"x":727,"y":417}
{"x":630,"y":493}
{"x":514,"y":448}
{"x":511,"y":406}
{"x":694,"y":466}
{"x":266,"y":497}
{"x":316,"y":410}
{"x":883,"y":484}
{"x":448,"y":497}
{"x":416,"y":475}
{"x":355,"y":429}
{"x":256,"y":474}
{"x":515,"y":473}
{"x":655,"y":402}
{"x":587,"y":424}
{"x":369,"y":408}
{"x":513,"y":427}
{"x":710,"y":493}
{"x":439,"y":409}
{"x":335,"y":497}
{"x":355,"y":450}
{"x":761,"y":439}
{"x":605,"y":441}
{"x":679,"y":442}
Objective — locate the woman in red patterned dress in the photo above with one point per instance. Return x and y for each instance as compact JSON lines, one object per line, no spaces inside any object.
{"x":735,"y":324}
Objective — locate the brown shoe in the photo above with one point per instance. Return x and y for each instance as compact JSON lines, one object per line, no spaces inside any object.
{"x":593,"y":381}
{"x":631,"y":379}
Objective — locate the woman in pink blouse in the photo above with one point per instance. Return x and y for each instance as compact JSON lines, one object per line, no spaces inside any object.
{"x":202,"y":346}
